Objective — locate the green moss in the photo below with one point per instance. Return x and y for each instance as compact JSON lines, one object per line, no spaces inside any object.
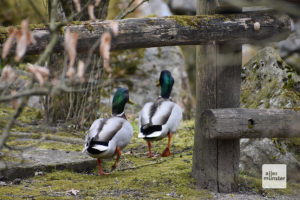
{"x":21,"y":143}
{"x":125,"y":63}
{"x":186,"y":21}
{"x":89,"y":27}
{"x":30,"y":114}
{"x":290,"y":83}
{"x":61,"y":146}
{"x":255,"y":184}
{"x":159,"y":52}
{"x":196,"y":22}
{"x":278,"y":145}
{"x":251,"y":99}
{"x":293,"y":145}
{"x":136,"y":177}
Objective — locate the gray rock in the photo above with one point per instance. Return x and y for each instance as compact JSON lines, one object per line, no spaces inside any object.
{"x":35,"y":102}
{"x":268,"y":82}
{"x":255,"y":153}
{"x":289,"y":49}
{"x":187,"y":7}
{"x":156,"y":7}
{"x":2,"y":183}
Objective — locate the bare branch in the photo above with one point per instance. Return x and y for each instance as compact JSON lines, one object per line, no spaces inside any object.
{"x":122,"y":16}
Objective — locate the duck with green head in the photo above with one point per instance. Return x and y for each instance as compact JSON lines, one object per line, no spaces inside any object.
{"x":108,"y":136}
{"x":160,"y":118}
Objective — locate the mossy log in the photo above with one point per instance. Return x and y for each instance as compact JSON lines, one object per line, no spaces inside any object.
{"x":250,"y":123}
{"x":169,"y":31}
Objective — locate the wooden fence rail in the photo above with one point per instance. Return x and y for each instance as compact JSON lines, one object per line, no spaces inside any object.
{"x":174,"y":30}
{"x":250,"y":123}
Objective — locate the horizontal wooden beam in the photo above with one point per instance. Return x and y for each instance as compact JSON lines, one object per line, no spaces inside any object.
{"x":285,"y":6}
{"x":250,"y":123}
{"x":174,"y":30}
{"x":250,"y":3}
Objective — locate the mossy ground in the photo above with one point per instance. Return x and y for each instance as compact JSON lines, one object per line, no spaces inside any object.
{"x":137,"y":176}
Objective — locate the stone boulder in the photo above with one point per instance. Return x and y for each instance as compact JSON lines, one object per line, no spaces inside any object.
{"x":289,"y":49}
{"x":256,"y":152}
{"x":268,"y":82}
{"x":187,"y":7}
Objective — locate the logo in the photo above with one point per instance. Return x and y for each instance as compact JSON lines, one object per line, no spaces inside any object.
{"x":274,"y":176}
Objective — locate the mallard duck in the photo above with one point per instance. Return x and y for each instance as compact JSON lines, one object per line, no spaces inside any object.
{"x":109,"y":136}
{"x":160,"y":118}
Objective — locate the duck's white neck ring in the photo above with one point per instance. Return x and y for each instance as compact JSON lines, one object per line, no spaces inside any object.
{"x":120,"y":115}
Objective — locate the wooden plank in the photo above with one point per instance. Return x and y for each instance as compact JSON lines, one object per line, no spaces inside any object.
{"x":250,"y":3}
{"x":215,"y":162}
{"x":229,"y":63}
{"x":251,"y":123}
{"x":205,"y":166}
{"x":169,"y":31}
{"x":205,"y":150}
{"x":284,"y":6}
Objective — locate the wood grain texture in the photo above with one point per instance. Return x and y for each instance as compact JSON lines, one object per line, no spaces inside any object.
{"x":229,"y":63}
{"x":249,"y":3}
{"x":215,"y":162}
{"x":251,"y":123}
{"x":169,"y":31}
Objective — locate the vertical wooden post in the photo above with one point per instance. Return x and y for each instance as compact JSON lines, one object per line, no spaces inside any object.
{"x":218,"y":79}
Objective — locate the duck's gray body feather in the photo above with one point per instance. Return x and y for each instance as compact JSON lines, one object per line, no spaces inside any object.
{"x":161,"y":112}
{"x":108,"y":134}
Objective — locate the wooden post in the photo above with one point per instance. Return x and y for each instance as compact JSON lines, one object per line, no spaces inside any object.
{"x":216,"y":162}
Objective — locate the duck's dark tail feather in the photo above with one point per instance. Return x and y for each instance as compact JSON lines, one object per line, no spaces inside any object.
{"x":97,"y":147}
{"x":147,"y":129}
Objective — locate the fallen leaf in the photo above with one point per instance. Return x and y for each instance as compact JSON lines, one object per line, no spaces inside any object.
{"x":40,"y":73}
{"x":22,"y":40}
{"x":105,"y":50}
{"x":70,"y":46}
{"x":72,"y":192}
{"x":97,"y":2}
{"x":91,"y":12}
{"x":80,"y":71}
{"x":114,"y":27}
{"x":8,"y":74}
{"x":70,"y":73}
{"x":77,"y":5}
{"x":9,"y":42}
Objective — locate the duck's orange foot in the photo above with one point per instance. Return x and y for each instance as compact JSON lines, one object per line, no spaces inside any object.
{"x":104,"y":173}
{"x":166,"y":152}
{"x":150,"y":155}
{"x":113,"y":167}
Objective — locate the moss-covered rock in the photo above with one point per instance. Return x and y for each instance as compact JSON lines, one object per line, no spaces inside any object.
{"x":268,"y":82}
